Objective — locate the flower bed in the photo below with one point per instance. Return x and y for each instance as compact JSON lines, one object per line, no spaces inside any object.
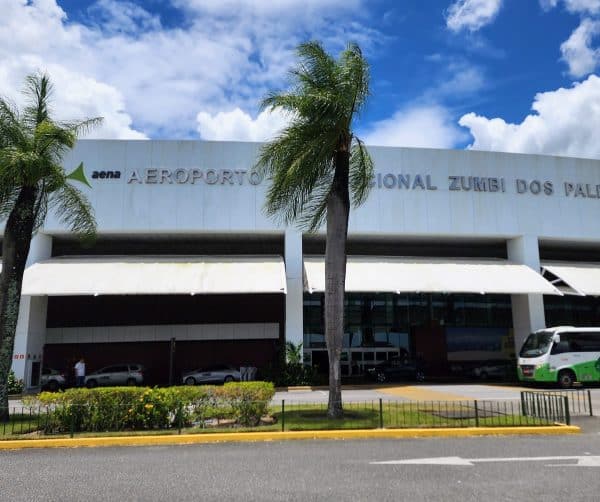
{"x":135,"y":408}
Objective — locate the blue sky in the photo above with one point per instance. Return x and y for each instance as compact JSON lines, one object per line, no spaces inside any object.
{"x":510,"y":75}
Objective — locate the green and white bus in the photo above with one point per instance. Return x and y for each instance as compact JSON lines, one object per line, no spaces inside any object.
{"x":562,"y":355}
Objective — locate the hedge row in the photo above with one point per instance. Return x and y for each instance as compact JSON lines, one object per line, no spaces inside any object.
{"x":136,"y":408}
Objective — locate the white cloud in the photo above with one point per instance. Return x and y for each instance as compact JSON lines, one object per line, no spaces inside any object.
{"x":457,"y":79}
{"x":267,"y":8}
{"x":28,"y":34}
{"x":574,"y":6}
{"x":564,"y":122}
{"x":548,"y":4}
{"x":471,"y":15}
{"x":577,"y":51}
{"x":428,"y":126}
{"x":153,"y":79}
{"x":237,"y":125}
{"x":121,"y":16}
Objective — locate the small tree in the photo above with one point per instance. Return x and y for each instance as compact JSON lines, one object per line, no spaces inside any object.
{"x":32,"y":180}
{"x":317,"y":166}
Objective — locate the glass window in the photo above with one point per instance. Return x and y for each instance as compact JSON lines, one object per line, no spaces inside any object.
{"x":418,"y":310}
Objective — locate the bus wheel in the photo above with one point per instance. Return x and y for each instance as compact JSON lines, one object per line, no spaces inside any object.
{"x":566,"y":379}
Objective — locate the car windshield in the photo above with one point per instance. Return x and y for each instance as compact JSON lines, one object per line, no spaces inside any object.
{"x":536,"y":345}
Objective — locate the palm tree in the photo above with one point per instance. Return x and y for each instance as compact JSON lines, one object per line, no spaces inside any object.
{"x":32,"y":180}
{"x":317,"y":166}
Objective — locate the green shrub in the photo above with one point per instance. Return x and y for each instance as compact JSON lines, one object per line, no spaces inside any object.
{"x":135,"y":408}
{"x":14,"y":386}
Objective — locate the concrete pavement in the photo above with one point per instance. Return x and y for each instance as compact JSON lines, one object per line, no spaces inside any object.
{"x":313,"y":470}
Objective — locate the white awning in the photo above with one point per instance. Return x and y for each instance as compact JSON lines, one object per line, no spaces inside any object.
{"x":430,"y":275}
{"x":149,"y":275}
{"x":577,"y":278}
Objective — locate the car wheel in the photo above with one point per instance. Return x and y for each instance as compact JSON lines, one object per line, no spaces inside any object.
{"x":131,"y":382}
{"x":228,"y":379}
{"x":52,"y":386}
{"x":90,"y":384}
{"x":420,"y":376}
{"x":190,"y":381}
{"x":381,"y":377}
{"x":566,"y":379}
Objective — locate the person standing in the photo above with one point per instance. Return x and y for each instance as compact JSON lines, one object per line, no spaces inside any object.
{"x":80,"y":373}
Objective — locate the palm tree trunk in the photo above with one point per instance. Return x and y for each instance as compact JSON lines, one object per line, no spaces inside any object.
{"x":338,"y":209}
{"x":15,"y":248}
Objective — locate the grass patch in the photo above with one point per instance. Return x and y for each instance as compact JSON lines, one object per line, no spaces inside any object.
{"x":307,"y":417}
{"x":19,"y":424}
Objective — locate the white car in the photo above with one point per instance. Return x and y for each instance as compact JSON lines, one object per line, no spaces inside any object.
{"x":118,"y":374}
{"x":52,"y":380}
{"x":212,"y":374}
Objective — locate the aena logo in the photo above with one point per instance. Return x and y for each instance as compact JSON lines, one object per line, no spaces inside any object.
{"x":106,"y":175}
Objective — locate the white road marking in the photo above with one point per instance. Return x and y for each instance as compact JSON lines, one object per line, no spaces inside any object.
{"x":581,"y":461}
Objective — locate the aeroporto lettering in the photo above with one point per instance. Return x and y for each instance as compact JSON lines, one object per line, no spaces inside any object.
{"x":181,"y":176}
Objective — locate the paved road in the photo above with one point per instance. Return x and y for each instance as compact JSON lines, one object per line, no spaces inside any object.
{"x":410,"y":392}
{"x":425,"y":392}
{"x":311,"y":470}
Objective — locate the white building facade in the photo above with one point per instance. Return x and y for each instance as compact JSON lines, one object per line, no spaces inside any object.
{"x":455,"y":257}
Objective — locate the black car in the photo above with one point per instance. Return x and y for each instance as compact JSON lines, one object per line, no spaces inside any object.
{"x":397,"y":369}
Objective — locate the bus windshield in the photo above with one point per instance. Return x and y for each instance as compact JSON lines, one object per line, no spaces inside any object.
{"x":536,"y":345}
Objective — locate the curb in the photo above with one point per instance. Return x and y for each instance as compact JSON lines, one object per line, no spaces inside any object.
{"x":234,"y":437}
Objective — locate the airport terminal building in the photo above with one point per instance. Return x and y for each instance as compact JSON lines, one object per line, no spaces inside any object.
{"x":455,"y":257}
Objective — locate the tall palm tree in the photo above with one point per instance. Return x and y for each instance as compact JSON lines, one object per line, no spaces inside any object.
{"x":317,"y":166}
{"x":32,"y":180}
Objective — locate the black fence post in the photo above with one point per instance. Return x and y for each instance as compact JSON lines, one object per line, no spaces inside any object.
{"x":380,"y":413}
{"x":72,"y":422}
{"x":283,"y":415}
{"x":567,"y":414}
{"x":179,"y":417}
{"x":590,"y":402}
{"x":523,"y":408}
{"x":476,"y":413}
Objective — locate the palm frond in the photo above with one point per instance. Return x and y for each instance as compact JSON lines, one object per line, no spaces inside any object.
{"x":38,"y":90}
{"x":74,"y":211}
{"x":82,"y":127}
{"x":361,"y":172}
{"x":300,"y":163}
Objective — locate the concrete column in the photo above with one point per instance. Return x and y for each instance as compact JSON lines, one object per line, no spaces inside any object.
{"x":31,"y":326}
{"x":527,"y":310}
{"x":294,"y":300}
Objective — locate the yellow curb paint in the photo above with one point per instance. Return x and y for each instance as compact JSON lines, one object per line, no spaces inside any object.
{"x":417,"y":393}
{"x":282,"y":436}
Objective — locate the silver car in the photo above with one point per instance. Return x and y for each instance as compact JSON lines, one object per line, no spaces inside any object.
{"x":52,"y":380}
{"x":118,"y":374}
{"x":212,"y":374}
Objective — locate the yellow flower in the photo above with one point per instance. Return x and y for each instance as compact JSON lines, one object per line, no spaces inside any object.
{"x":149,"y":406}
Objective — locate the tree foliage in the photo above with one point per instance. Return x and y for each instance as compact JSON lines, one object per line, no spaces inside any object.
{"x":318,"y":168}
{"x":32,"y":182}
{"x":326,"y":96}
{"x":32,"y":146}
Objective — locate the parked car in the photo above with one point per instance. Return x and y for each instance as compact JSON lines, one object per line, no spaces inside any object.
{"x":212,"y":374}
{"x":493,"y":369}
{"x":118,"y":374}
{"x":397,"y":369}
{"x":52,"y":380}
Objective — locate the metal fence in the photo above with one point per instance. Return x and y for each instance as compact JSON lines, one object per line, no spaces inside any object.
{"x":534,"y":409}
{"x":414,"y":414}
{"x":575,"y":402}
{"x":580,"y":400}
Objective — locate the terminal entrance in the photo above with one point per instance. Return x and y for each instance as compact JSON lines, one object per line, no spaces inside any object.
{"x":451,"y":335}
{"x":167,"y":334}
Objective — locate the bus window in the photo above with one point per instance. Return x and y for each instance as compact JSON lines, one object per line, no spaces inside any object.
{"x":536,"y":345}
{"x":560,"y":347}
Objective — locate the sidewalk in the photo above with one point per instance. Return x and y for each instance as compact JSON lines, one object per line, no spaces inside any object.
{"x":282,"y":436}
